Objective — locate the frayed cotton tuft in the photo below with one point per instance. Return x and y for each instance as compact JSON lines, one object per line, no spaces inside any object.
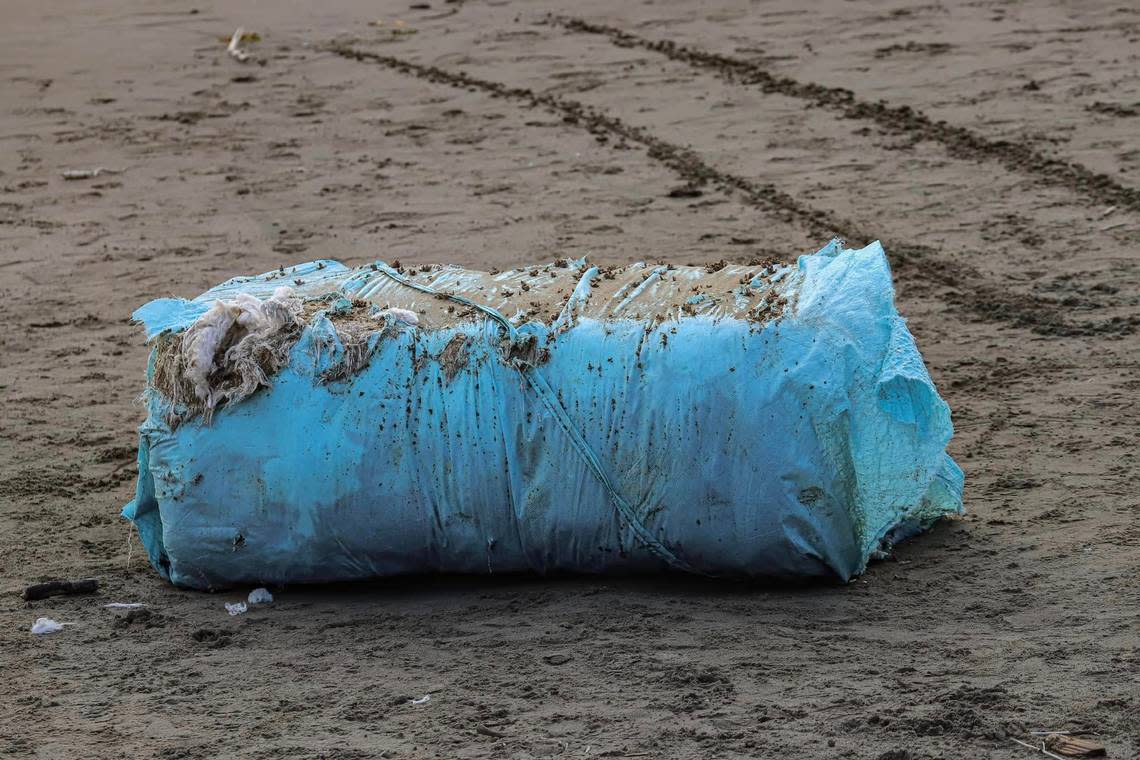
{"x":230,"y":351}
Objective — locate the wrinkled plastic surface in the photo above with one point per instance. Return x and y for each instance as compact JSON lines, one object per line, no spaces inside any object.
{"x":788,"y":449}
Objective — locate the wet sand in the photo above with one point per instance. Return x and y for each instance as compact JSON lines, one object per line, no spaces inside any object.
{"x":991,"y":146}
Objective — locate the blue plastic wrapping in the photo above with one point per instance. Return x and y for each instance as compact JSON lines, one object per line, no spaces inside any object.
{"x":684,"y":434}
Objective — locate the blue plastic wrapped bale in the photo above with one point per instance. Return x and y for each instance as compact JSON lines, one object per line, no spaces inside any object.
{"x":321,"y":423}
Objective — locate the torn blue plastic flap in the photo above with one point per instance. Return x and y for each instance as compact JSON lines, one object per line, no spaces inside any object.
{"x":764,"y":421}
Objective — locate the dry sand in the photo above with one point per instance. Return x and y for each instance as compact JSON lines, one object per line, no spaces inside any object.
{"x":991,"y":145}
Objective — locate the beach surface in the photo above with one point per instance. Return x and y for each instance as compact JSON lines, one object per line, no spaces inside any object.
{"x":991,"y":146}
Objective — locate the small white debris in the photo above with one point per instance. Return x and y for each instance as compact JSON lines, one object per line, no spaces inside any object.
{"x":421,"y":700}
{"x":400,"y":315}
{"x":236,"y":608}
{"x":74,"y":174}
{"x":124,"y":605}
{"x":46,"y":625}
{"x":260,"y":596}
{"x":235,"y":52}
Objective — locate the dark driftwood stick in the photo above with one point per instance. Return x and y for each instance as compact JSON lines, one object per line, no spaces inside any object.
{"x":51,"y":588}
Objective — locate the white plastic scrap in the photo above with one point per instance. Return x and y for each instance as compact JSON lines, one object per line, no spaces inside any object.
{"x":46,"y":625}
{"x":400,"y":315}
{"x":74,"y":174}
{"x":235,"y":52}
{"x":422,"y":700}
{"x":236,"y":608}
{"x":260,"y":596}
{"x":124,"y":605}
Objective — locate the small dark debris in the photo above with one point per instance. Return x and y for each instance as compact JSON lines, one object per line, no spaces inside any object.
{"x":52,"y":588}
{"x":686,"y":191}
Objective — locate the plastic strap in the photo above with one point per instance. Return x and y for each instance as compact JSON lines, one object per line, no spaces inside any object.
{"x":541,"y":387}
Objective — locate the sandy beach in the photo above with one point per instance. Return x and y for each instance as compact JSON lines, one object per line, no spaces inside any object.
{"x":992,"y":147}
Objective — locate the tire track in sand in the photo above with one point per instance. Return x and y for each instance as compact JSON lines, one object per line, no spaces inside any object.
{"x":959,"y":142}
{"x":967,"y":285}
